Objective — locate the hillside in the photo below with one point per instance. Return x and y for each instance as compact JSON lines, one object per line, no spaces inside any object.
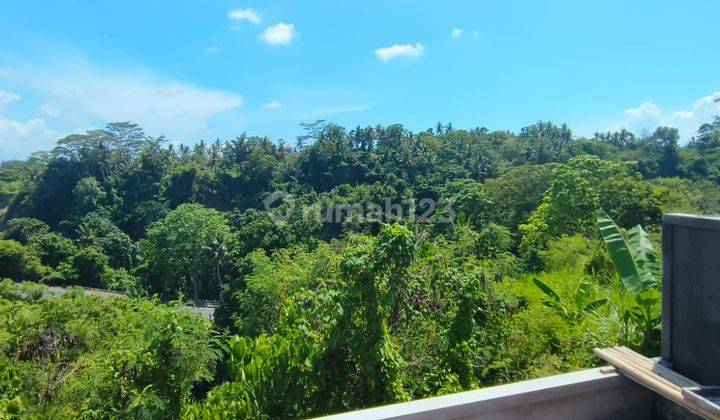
{"x":352,"y":268}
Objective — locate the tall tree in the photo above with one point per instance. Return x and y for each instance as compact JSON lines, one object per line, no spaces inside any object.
{"x":181,"y":254}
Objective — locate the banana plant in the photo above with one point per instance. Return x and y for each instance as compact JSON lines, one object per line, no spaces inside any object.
{"x":632,"y":255}
{"x":637,"y":264}
{"x":574,"y":309}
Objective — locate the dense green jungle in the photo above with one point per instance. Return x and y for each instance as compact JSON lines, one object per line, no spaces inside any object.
{"x":349,"y":268}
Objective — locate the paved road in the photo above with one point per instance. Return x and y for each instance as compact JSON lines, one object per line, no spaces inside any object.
{"x":59,"y":291}
{"x":204,"y":311}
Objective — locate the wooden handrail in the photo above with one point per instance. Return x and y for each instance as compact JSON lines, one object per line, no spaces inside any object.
{"x":656,"y":377}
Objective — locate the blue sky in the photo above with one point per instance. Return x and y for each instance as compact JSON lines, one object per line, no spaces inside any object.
{"x":205,"y":70}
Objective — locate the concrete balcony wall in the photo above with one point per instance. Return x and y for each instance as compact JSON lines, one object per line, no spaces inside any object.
{"x":589,"y":394}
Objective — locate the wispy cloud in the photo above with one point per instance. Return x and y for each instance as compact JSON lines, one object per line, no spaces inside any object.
{"x":92,"y":96}
{"x":7,"y":97}
{"x":272,"y":104}
{"x":211,"y":50}
{"x":456,"y":33}
{"x":400,"y":50}
{"x":279,"y":34}
{"x":245,"y":15}
{"x":49,"y":110}
{"x":649,"y":116}
{"x":17,"y":138}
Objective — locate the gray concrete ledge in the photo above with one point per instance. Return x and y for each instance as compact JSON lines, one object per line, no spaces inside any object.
{"x":692,"y":220}
{"x":589,"y":394}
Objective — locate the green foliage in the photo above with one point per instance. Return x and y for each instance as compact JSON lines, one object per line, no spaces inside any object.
{"x":19,"y":263}
{"x":519,"y":191}
{"x":676,"y":195}
{"x":579,"y":254}
{"x":360,"y":340}
{"x":580,"y":304}
{"x":188,"y":184}
{"x":271,"y":280}
{"x":247,"y":170}
{"x":82,"y":356}
{"x":277,"y":368}
{"x":710,"y":201}
{"x":255,"y":230}
{"x":493,"y":240}
{"x":547,"y":331}
{"x":545,"y":142}
{"x":571,"y":197}
{"x":23,"y":229}
{"x":631,"y":254}
{"x":470,"y":202}
{"x":178,"y":252}
{"x":576,"y":192}
{"x":96,"y":230}
{"x":330,"y":316}
{"x":637,"y":265}
{"x":122,"y":281}
{"x":52,"y":248}
{"x":12,"y":259}
{"x":27,"y":291}
{"x":85,"y":268}
{"x":88,"y":195}
{"x":462,"y":341}
{"x":231,"y":400}
{"x":13,"y":176}
{"x":535,"y":234}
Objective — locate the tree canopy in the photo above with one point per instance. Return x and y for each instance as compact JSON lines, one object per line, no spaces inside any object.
{"x":360,"y":267}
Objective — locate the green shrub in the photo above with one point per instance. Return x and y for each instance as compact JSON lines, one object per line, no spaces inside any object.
{"x":231,"y":400}
{"x":85,"y":356}
{"x":122,"y":281}
{"x":23,"y":229}
{"x":52,"y":248}
{"x":85,"y":268}
{"x":19,"y":263}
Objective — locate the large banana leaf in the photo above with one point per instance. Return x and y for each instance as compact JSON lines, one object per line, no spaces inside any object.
{"x":642,"y":251}
{"x":553,"y":300}
{"x":633,"y":257}
{"x":549,"y":291}
{"x":593,"y":306}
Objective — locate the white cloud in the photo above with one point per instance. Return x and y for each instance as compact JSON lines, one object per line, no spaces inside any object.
{"x":211,"y":50}
{"x":456,"y":33}
{"x":272,"y":104}
{"x":49,"y":110}
{"x":248,"y":15}
{"x":476,"y":34}
{"x":400,"y":50}
{"x":649,"y":116}
{"x":7,"y":97}
{"x":14,"y":129}
{"x":92,"y":96}
{"x":280,"y":34}
{"x":17,"y":139}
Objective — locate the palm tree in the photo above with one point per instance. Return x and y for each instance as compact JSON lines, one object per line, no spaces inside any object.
{"x":218,"y":249}
{"x":87,"y":235}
